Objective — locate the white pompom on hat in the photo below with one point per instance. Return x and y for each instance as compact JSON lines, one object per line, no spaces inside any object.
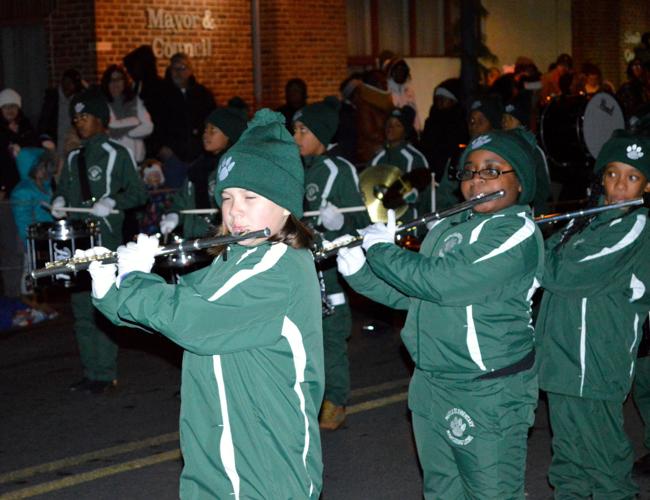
{"x":10,"y":96}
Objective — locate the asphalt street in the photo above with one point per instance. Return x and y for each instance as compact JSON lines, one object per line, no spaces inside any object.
{"x":60,"y":445}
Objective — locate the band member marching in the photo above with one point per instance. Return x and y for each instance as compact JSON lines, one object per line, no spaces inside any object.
{"x":589,"y":328}
{"x":102,"y":176}
{"x":330,"y":183}
{"x":223,"y":127}
{"x":250,"y":324}
{"x":468,"y":329}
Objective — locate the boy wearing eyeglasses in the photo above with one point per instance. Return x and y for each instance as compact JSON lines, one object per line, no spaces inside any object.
{"x":469,"y":328}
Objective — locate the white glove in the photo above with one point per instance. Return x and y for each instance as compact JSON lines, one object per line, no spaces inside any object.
{"x":331,"y":217}
{"x":138,"y":256}
{"x":349,"y":259}
{"x":168,"y":223}
{"x":379,"y":233}
{"x":103,"y":275}
{"x":103,"y":207}
{"x":57,"y":203}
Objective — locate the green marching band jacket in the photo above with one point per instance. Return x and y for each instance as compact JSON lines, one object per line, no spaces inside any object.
{"x":252,"y":380}
{"x":334,"y":180}
{"x":594,"y":305}
{"x":468,"y":291}
{"x":112,"y":173}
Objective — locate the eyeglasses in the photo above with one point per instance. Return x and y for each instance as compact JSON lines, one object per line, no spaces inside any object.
{"x":487,"y":174}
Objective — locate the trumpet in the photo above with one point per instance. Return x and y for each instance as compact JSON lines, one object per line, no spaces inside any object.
{"x":75,"y":264}
{"x":328,"y":251}
{"x":586,"y":212}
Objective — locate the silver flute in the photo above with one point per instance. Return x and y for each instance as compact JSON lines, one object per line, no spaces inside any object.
{"x":354,"y":241}
{"x":586,"y":212}
{"x":75,"y":264}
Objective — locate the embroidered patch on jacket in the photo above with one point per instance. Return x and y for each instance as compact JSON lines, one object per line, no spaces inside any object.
{"x":311,"y":191}
{"x":95,"y":173}
{"x":452,"y":240}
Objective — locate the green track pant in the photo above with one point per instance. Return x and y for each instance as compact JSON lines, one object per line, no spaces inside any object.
{"x":97,"y":349}
{"x":336,"y":331}
{"x":592,"y":455}
{"x":471,"y":436}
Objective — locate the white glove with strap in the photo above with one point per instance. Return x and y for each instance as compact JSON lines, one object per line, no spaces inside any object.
{"x":103,"y":207}
{"x":103,"y":275}
{"x":168,"y":223}
{"x":58,"y":202}
{"x":349,"y":259}
{"x":331,"y":217}
{"x":138,"y":256}
{"x":379,"y":233}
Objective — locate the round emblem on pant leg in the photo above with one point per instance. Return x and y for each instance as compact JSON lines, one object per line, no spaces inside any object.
{"x":460,"y":426}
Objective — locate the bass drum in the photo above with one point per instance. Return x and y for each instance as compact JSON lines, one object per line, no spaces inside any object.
{"x":574,"y":128}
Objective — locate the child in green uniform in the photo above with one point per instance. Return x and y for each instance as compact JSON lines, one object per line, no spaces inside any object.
{"x":250,"y":324}
{"x":100,"y":175}
{"x":468,"y":328}
{"x":330,"y":183}
{"x":401,"y":153}
{"x":589,"y":329}
{"x":222,"y":129}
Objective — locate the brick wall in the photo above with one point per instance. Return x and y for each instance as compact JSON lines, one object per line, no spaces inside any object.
{"x":70,"y":29}
{"x":600,"y":28}
{"x":122,"y":26}
{"x":305,"y":40}
{"x":299,"y":39}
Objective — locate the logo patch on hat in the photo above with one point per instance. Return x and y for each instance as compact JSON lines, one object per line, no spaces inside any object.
{"x":297,"y":115}
{"x":481,"y":140}
{"x":510,"y":108}
{"x":226,"y":166}
{"x":79,"y":107}
{"x":634,"y":152}
{"x":476,"y":105}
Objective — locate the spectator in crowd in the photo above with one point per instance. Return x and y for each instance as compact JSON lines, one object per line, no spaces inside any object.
{"x":401,"y":89}
{"x":635,"y":92}
{"x":36,"y":167}
{"x":295,"y":98}
{"x":590,"y":81}
{"x":346,"y":135}
{"x":130,"y":122}
{"x":445,"y":129}
{"x":374,"y":104}
{"x":187,"y":105}
{"x":552,"y":80}
{"x":492,"y":75}
{"x":141,"y":66}
{"x":54,"y":120}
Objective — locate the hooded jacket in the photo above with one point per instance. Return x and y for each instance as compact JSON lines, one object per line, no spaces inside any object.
{"x":27,"y":198}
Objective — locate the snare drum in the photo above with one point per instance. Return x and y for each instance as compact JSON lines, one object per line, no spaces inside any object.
{"x":174,"y":265}
{"x":574,"y":128}
{"x":51,"y":241}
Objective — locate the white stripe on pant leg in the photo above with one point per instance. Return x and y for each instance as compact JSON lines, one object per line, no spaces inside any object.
{"x":226,"y":446}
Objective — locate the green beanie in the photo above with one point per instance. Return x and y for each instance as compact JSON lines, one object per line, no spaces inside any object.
{"x":265,"y":160}
{"x":517,"y":147}
{"x":633,"y":150}
{"x":322,"y":118}
{"x":231,"y":121}
{"x":92,"y":102}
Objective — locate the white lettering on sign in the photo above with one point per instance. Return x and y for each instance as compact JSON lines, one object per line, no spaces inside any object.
{"x":161,"y":19}
{"x":162,"y":47}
